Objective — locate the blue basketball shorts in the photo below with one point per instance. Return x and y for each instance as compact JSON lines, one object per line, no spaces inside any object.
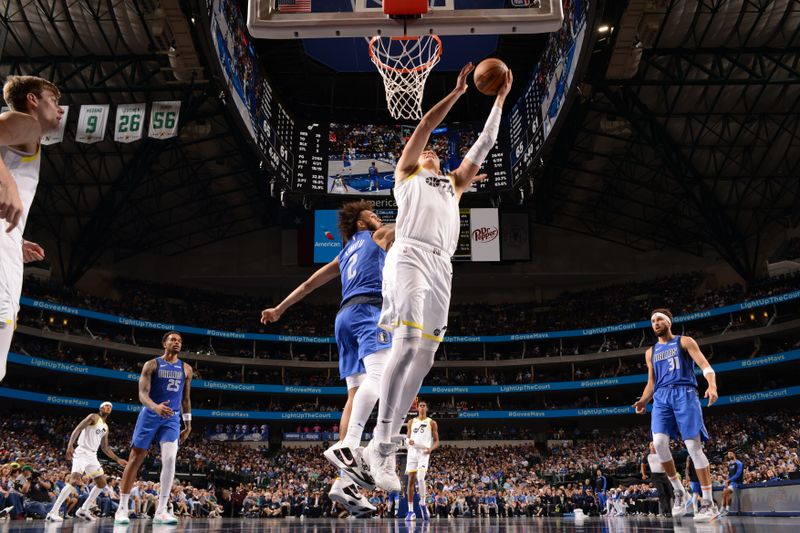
{"x":357,"y":336}
{"x":677,"y":413}
{"x":152,"y":428}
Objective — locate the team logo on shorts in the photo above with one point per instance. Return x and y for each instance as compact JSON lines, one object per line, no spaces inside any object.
{"x":383,"y":337}
{"x":436,"y":332}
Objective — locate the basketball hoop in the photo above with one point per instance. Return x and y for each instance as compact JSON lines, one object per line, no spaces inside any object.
{"x":404,"y":64}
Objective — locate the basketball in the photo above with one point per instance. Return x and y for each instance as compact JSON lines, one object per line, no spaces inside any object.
{"x":489,"y":76}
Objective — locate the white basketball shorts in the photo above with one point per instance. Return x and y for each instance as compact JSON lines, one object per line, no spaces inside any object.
{"x":417,"y":280}
{"x":86,"y":463}
{"x":417,"y":460}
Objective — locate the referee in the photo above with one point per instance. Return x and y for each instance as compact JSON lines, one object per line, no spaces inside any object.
{"x":660,"y":480}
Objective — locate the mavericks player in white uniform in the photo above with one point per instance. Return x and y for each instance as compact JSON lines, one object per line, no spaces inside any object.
{"x":423,"y":439}
{"x":91,"y":434}
{"x":416,"y":296}
{"x":34,"y":111}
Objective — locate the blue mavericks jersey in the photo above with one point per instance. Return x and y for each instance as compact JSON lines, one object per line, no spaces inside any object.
{"x":672,"y":364}
{"x":167,"y":383}
{"x":361,"y":266}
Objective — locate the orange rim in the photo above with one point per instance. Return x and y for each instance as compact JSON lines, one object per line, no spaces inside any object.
{"x":428,"y":64}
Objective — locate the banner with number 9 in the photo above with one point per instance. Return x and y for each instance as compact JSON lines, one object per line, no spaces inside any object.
{"x":92,"y":123}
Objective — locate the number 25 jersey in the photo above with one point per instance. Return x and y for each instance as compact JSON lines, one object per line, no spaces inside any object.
{"x":167,"y":384}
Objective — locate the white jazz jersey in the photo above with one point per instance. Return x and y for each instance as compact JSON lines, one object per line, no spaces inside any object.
{"x":25,"y":170}
{"x":85,"y":461}
{"x":427,"y":210}
{"x":421,"y":433}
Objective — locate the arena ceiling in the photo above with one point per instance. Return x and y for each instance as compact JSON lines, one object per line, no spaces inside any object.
{"x":686,"y":134}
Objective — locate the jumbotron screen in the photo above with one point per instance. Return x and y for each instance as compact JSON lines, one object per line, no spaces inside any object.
{"x":362,"y":158}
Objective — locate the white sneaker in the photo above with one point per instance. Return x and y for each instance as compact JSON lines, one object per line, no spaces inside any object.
{"x":121,"y":517}
{"x":707,"y":512}
{"x":345,"y":493}
{"x":381,"y":461}
{"x":351,"y":461}
{"x":679,"y":506}
{"x":86,"y":515}
{"x":53,"y":518}
{"x":164,"y":518}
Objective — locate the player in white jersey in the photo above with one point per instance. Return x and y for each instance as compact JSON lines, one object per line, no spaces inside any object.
{"x":91,"y":434}
{"x":422,"y":438}
{"x":416,"y":298}
{"x":34,"y":111}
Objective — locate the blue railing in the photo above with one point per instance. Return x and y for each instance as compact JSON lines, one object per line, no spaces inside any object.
{"x":72,"y":368}
{"x":643,"y":324}
{"x":52,"y":399}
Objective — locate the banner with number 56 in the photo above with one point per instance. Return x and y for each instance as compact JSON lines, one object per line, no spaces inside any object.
{"x":92,"y":123}
{"x":130,"y":122}
{"x":164,"y":119}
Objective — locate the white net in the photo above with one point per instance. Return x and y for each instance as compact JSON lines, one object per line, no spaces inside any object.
{"x":404,"y":64}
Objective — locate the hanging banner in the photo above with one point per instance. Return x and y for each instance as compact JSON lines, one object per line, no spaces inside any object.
{"x":164,"y":119}
{"x":57,"y":136}
{"x":92,"y":123}
{"x":484,"y":234}
{"x":129,"y":124}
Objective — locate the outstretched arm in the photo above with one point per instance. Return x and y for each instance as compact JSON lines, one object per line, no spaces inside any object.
{"x":641,"y":403}
{"x":416,"y":143}
{"x":467,"y":171}
{"x":384,"y":236}
{"x":317,"y":280}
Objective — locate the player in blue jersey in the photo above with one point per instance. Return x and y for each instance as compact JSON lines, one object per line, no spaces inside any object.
{"x":164,"y":392}
{"x":733,"y":483}
{"x":672,"y":385}
{"x":362,"y":345}
{"x":374,"y":175}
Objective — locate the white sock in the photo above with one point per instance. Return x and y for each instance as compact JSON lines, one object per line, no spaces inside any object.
{"x":409,"y":363}
{"x":62,"y":497}
{"x":366,"y":397}
{"x":92,"y":497}
{"x":708,"y":493}
{"x":676,"y":483}
{"x":169,"y":454}
{"x":123,"y":503}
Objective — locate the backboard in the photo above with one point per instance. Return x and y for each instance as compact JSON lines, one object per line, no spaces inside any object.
{"x":307,"y":19}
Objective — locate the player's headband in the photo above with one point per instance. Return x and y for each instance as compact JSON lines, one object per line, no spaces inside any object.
{"x":661,"y":315}
{"x":106,"y":403}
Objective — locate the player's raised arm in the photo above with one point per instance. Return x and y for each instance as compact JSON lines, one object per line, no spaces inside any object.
{"x":409,"y":160}
{"x":641,"y":403}
{"x":314,"y":282}
{"x":19,"y":129}
{"x":467,"y":172}
{"x":691,"y":346}
{"x":384,"y":236}
{"x":186,"y":403}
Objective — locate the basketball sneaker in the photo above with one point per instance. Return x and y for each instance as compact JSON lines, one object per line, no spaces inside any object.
{"x":121,"y":517}
{"x":423,"y":510}
{"x":707,"y":512}
{"x":86,"y":515}
{"x":345,"y":493}
{"x":53,"y":517}
{"x":380,"y":458}
{"x":410,"y":516}
{"x":350,"y":461}
{"x":164,"y":518}
{"x":681,"y":504}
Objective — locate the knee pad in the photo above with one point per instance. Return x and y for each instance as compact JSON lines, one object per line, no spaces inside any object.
{"x":695,"y":449}
{"x":661,"y":444}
